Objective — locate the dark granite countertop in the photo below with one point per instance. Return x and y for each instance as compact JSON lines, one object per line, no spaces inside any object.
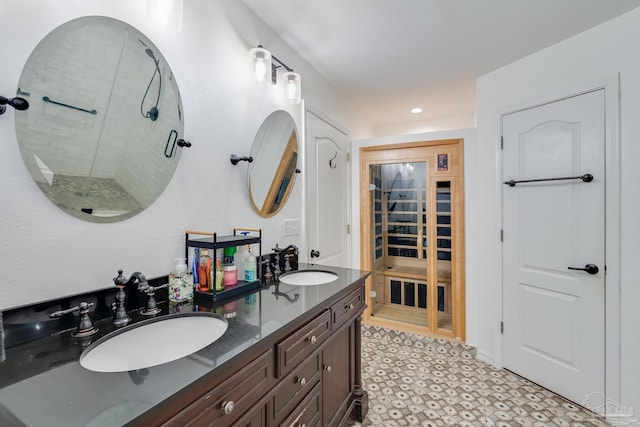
{"x":43,"y":384}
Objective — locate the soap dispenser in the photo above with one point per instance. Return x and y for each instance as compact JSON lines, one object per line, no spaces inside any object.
{"x":180,"y":283}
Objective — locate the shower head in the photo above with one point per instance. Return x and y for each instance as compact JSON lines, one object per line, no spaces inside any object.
{"x":153,"y":113}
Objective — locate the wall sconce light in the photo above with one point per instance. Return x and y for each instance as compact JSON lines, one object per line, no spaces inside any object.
{"x":165,"y":13}
{"x":17,"y":103}
{"x":261,"y":63}
{"x":293,"y":86}
{"x":263,"y":60}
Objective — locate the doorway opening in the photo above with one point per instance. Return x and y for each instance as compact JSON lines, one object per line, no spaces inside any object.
{"x":412,"y":236}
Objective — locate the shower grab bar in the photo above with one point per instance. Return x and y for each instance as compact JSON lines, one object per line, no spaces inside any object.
{"x":587,"y":177}
{"x":47,"y":99}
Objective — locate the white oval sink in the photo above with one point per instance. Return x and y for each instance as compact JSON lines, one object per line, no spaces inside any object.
{"x":153,"y":342}
{"x":308,"y":277}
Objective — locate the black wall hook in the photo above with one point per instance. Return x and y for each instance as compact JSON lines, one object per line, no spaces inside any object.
{"x":17,"y":103}
{"x":235,"y":159}
{"x":172,"y":141}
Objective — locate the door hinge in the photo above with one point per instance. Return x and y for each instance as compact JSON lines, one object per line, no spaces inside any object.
{"x":501,"y":142}
{"x":502,"y":327}
{"x":348,"y":228}
{"x":348,"y":157}
{"x":502,"y":235}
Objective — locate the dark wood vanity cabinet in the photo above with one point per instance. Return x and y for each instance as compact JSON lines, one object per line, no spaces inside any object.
{"x":337,"y":376}
{"x":307,"y":376}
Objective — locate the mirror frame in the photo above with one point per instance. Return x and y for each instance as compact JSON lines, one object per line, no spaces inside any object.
{"x":283,"y":179}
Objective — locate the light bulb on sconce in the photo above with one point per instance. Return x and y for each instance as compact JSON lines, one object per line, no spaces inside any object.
{"x":293,"y":84}
{"x":261,"y":63}
{"x":166,"y":14}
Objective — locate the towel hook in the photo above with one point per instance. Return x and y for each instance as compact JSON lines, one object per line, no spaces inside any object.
{"x":331,"y":164}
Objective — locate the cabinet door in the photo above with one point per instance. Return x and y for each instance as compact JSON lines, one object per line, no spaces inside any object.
{"x":307,"y":413}
{"x":255,"y":418}
{"x":337,"y":376}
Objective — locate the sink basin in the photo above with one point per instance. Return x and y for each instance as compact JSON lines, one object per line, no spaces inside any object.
{"x":308,"y":277}
{"x":153,"y":342}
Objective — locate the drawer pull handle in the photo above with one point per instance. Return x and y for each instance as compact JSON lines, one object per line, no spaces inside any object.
{"x":350,"y":306}
{"x":227,"y":407}
{"x":327,"y":368}
{"x":313,"y":339}
{"x":302,"y":382}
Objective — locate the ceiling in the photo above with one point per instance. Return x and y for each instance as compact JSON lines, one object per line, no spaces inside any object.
{"x":387,"y":56}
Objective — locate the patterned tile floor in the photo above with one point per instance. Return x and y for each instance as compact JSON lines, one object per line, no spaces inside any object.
{"x":420,"y":381}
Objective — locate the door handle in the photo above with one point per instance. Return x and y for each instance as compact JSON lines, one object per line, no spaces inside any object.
{"x":589,"y":268}
{"x":314,"y":253}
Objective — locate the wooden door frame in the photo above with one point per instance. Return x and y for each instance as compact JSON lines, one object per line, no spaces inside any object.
{"x":611,"y":86}
{"x":458,"y":288}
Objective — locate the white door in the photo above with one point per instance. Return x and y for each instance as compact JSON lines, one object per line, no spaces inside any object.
{"x":327,"y":193}
{"x":554,"y":319}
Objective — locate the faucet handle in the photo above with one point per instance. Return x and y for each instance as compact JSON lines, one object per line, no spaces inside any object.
{"x":120,"y":279}
{"x":151,"y":308}
{"x":82,"y":306}
{"x":85,"y":326}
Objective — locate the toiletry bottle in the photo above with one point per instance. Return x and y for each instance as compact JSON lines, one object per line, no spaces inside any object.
{"x":230,"y":276}
{"x":250,"y":267}
{"x":194,"y":269}
{"x":204,"y":271}
{"x":208,"y":269}
{"x":228,"y":255}
{"x":241,"y":259}
{"x":219,"y":276}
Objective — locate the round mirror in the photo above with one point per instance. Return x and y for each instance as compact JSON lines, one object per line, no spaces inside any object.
{"x":101,"y":136}
{"x":273,"y":170}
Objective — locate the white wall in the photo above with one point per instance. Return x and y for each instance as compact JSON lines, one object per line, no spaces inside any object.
{"x":596,"y":54}
{"x":430,"y":125}
{"x":46,"y":253}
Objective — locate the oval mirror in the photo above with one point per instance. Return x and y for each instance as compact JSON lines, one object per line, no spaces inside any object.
{"x":100,"y":137}
{"x":273,"y":170}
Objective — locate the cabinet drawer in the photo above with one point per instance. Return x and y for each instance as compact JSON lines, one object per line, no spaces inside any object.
{"x":294,"y":349}
{"x":234,"y":397}
{"x":347,"y":306}
{"x":295,"y":386}
{"x":308,"y":412}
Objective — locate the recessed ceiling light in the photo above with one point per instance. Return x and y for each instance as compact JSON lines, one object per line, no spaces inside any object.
{"x":416,"y":110}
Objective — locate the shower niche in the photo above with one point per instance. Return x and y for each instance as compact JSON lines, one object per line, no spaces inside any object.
{"x":412,"y":238}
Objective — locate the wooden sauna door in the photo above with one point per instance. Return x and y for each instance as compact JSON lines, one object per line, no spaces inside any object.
{"x":412,"y":236}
